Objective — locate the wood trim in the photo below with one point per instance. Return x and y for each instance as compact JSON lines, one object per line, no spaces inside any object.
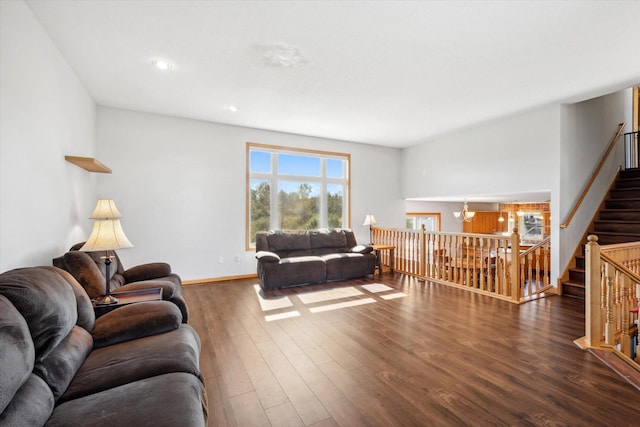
{"x":594,"y":175}
{"x":88,"y":163}
{"x":217,"y":279}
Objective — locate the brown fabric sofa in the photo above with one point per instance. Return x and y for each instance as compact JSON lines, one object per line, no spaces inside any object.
{"x":293,"y":258}
{"x":88,"y":268}
{"x":136,"y":365}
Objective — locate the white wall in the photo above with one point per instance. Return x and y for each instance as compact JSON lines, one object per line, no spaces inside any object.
{"x":45,"y":113}
{"x":180,"y":185}
{"x":506,"y":156}
{"x":587,"y":129}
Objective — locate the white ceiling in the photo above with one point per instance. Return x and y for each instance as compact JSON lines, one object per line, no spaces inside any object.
{"x":391,"y":73}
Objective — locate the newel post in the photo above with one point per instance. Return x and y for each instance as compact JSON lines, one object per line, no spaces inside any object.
{"x":592,"y":281}
{"x":515,"y":266}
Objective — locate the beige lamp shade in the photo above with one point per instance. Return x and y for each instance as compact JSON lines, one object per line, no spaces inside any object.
{"x":107,"y":235}
{"x":106,"y":209}
{"x":369,"y":220}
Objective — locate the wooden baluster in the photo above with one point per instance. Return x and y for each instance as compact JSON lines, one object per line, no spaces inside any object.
{"x":537,"y":273}
{"x":625,"y":338}
{"x":515,"y":285}
{"x":609,"y":327}
{"x":637,"y":304}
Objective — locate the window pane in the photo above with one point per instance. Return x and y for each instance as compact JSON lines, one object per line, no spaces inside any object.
{"x":260,"y":162}
{"x":260,"y":205}
{"x":298,"y":205}
{"x":289,"y":164}
{"x":334,"y":168}
{"x":428,"y":221}
{"x":411,"y":224}
{"x":334,"y":205}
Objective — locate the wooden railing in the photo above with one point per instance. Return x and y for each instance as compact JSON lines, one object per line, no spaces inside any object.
{"x":594,"y":175}
{"x":612,"y":282}
{"x":478,"y":262}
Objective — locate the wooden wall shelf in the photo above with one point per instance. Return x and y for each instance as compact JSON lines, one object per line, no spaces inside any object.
{"x":88,"y":163}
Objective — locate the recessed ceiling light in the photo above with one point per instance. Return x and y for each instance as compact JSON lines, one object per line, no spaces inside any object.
{"x":162,"y":65}
{"x":232,"y":108}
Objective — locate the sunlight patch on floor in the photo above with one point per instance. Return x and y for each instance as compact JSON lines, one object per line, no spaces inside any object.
{"x":377,"y":287}
{"x":356,"y":297}
{"x":328,"y":295}
{"x":393,"y":295}
{"x":285,"y":315}
{"x":341,"y":305}
{"x":272,"y":303}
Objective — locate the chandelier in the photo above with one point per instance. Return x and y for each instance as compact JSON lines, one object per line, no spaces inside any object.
{"x":466,"y":215}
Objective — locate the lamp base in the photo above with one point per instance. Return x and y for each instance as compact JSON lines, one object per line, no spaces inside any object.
{"x":107,"y":300}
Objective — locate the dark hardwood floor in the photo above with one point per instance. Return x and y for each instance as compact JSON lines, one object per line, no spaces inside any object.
{"x":437,"y":356}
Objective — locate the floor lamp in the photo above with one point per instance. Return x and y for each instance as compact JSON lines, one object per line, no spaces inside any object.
{"x":107,"y":235}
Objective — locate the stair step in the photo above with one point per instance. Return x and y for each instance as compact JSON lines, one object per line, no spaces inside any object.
{"x":620,"y":214}
{"x":579,"y":262}
{"x":573,"y":289}
{"x":627,"y":182}
{"x":617,"y":226}
{"x":576,"y":275}
{"x":610,"y":238}
{"x":625,"y":193}
{"x":630,"y":173}
{"x":633,"y":203}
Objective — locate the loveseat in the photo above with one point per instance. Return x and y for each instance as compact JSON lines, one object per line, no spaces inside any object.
{"x":299,"y":257}
{"x":137,"y":365}
{"x":88,"y":268}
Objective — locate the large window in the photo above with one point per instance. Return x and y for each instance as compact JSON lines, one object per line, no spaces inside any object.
{"x":295,"y":189}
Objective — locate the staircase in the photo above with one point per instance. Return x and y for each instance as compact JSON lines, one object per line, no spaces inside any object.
{"x":619,"y":222}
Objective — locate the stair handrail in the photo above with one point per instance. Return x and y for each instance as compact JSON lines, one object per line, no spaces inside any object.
{"x":536,"y":246}
{"x":587,"y":187}
{"x":622,"y":269}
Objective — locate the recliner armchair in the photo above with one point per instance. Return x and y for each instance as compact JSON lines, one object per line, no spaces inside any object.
{"x":89,"y":269}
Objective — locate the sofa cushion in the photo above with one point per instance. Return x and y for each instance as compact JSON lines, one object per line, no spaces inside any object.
{"x":292,"y":271}
{"x":136,"y":321}
{"x":31,"y":405}
{"x":348,"y":265}
{"x":324,"y":238}
{"x":61,"y":365}
{"x":288,"y":241}
{"x":85,"y":270}
{"x":16,"y":350}
{"x":118,"y":364}
{"x":169,"y":400}
{"x":47,"y":303}
{"x":86,"y":313}
{"x":152,"y":270}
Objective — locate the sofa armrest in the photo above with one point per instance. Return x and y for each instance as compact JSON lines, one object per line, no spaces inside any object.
{"x":266,"y":256}
{"x":362,"y":249}
{"x":134,"y":321}
{"x":153,"y":270}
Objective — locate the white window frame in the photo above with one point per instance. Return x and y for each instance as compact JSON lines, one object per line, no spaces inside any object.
{"x":273,"y":177}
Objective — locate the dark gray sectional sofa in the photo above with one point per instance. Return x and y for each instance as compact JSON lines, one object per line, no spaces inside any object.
{"x":299,"y":257}
{"x":137,"y":365}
